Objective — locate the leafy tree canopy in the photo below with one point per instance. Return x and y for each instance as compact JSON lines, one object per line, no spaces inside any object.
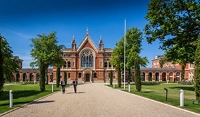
{"x":8,"y":64}
{"x":46,"y":49}
{"x":176,"y":24}
{"x":46,"y":52}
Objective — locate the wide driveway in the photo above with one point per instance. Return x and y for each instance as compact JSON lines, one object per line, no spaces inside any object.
{"x":97,"y":100}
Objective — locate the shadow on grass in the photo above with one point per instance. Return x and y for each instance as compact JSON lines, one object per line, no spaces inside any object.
{"x":14,"y":103}
{"x":183,"y":87}
{"x":18,"y":94}
{"x":147,"y":91}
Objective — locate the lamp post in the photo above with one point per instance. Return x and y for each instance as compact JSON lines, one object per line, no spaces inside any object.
{"x":124,"y":52}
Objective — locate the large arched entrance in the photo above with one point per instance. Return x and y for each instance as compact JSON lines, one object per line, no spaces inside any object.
{"x":163,"y":76}
{"x":24,"y":77}
{"x":87,"y":73}
{"x":150,"y":76}
{"x":87,"y":77}
{"x":157,"y":76}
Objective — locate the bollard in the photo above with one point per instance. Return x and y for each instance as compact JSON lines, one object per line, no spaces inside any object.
{"x":52,"y":87}
{"x":166,"y":91}
{"x":129,"y":88}
{"x":181,"y":97}
{"x":11,"y":98}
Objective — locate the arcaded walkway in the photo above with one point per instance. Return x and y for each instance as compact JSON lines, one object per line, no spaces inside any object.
{"x":97,"y":100}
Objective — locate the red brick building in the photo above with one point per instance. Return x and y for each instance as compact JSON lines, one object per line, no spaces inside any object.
{"x":189,"y":69}
{"x":87,"y":61}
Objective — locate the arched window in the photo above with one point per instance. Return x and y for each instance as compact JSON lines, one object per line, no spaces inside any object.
{"x":87,"y":59}
{"x":68,"y":64}
{"x":64,"y":65}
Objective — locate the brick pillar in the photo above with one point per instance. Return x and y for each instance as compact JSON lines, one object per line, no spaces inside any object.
{"x":174,"y":79}
{"x":54,"y":75}
{"x":62,"y":73}
{"x":167,"y":77}
{"x":146,"y":76}
{"x":153,"y":77}
{"x":35,"y":77}
{"x":160,"y":79}
{"x":28,"y":76}
{"x":21,"y":77}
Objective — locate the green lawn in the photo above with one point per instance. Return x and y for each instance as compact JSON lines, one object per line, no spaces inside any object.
{"x":22,"y":94}
{"x":157,"y":92}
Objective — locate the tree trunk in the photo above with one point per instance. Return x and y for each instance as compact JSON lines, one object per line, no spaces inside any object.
{"x":1,"y":67}
{"x":137,"y":76}
{"x":119,"y":77}
{"x":42,"y":76}
{"x":46,"y":76}
{"x":58,"y":77}
{"x":183,"y":71}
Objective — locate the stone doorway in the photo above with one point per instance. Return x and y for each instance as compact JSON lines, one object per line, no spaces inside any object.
{"x":87,"y":77}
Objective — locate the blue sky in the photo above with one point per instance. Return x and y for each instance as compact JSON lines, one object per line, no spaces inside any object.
{"x":21,"y":20}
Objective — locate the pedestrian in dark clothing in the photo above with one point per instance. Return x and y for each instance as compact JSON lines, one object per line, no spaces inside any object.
{"x":63,"y":84}
{"x":75,"y":83}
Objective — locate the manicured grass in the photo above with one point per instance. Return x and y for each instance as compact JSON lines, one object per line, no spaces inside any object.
{"x":157,"y":92}
{"x":22,"y":94}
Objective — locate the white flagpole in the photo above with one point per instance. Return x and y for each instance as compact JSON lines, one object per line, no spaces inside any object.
{"x":124,"y":52}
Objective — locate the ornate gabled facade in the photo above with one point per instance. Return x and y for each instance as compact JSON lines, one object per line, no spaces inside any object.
{"x":86,"y":62}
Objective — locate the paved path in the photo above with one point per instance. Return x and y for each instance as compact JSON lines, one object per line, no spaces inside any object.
{"x":97,"y":100}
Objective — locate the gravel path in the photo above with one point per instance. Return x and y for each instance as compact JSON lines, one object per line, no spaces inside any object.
{"x":97,"y":100}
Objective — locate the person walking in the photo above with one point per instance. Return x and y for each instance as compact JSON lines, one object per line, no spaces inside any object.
{"x":63,"y":84}
{"x":75,"y":83}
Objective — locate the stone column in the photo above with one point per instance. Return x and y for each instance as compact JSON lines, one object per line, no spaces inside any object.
{"x":90,"y":76}
{"x":83,"y":76}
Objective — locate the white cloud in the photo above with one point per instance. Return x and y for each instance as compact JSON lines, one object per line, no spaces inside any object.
{"x":18,"y":33}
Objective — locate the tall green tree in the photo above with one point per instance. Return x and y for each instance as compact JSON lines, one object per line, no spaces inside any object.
{"x":45,"y":52}
{"x":8,"y":64}
{"x":197,"y":71}
{"x":134,"y":43}
{"x":117,"y":59}
{"x":175,"y":23}
{"x":1,"y":65}
{"x":133,"y":48}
